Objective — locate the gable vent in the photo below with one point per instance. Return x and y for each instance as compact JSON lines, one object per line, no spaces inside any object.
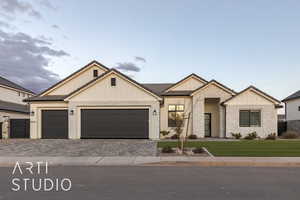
{"x":113,"y":81}
{"x":95,"y":73}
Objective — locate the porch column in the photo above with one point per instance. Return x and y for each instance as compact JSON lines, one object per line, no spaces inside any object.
{"x":198,"y":117}
{"x":222,"y":121}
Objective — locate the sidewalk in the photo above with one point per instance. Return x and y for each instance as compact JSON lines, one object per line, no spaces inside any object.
{"x":156,"y":161}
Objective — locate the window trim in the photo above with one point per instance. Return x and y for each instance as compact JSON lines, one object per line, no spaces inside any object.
{"x":174,"y":111}
{"x":113,"y":82}
{"x":249,"y":123}
{"x":95,"y":73}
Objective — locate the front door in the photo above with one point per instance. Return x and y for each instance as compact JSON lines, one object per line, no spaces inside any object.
{"x":207,"y":124}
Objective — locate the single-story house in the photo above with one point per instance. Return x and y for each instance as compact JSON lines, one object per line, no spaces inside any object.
{"x":292,"y":111}
{"x":98,"y":102}
{"x":14,"y":113}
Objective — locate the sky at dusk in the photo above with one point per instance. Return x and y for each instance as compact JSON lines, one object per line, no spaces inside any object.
{"x":238,"y":43}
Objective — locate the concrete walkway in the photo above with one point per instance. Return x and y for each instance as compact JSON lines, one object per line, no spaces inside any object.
{"x":151,"y":161}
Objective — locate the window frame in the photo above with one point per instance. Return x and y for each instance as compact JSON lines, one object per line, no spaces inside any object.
{"x":113,"y":82}
{"x":175,"y":111}
{"x":250,"y":118}
{"x":95,"y":73}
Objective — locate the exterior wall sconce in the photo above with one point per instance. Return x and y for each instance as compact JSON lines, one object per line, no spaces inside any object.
{"x":154,"y":112}
{"x":72,"y":112}
{"x":32,"y":113}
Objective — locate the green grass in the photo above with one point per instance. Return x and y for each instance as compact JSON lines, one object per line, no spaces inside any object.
{"x":260,"y":148}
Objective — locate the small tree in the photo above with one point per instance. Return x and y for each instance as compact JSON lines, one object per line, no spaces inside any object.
{"x":179,"y":123}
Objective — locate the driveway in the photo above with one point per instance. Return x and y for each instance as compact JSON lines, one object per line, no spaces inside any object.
{"x":59,"y":147}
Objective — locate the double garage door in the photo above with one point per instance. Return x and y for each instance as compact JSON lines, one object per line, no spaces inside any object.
{"x":98,"y":124}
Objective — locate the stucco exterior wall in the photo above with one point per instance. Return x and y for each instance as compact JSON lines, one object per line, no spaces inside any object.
{"x":250,"y":100}
{"x":211,"y":91}
{"x":268,"y":120}
{"x":11,"y":95}
{"x":292,"y":110}
{"x":13,"y":115}
{"x":187,"y":102}
{"x":77,"y":81}
{"x":189,"y":84}
{"x":36,"y":119}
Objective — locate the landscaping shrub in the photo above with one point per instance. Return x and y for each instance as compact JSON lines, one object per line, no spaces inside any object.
{"x":271,"y":136}
{"x":175,"y":137}
{"x":164,"y":133}
{"x":251,"y":136}
{"x":290,"y":135}
{"x":192,"y":137}
{"x":198,"y":150}
{"x":167,"y":149}
{"x":236,"y":135}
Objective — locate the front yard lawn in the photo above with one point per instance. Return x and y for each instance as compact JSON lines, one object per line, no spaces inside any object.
{"x":256,"y":148}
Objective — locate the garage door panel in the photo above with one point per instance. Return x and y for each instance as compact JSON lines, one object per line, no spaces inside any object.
{"x":114,"y":123}
{"x":55,"y":124}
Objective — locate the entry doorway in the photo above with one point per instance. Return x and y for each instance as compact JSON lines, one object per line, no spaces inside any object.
{"x":207,"y":119}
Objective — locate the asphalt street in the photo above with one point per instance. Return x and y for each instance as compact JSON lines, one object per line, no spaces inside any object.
{"x":152,"y":182}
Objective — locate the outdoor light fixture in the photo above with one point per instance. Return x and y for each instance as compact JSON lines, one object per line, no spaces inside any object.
{"x":72,"y":112}
{"x":154,"y":112}
{"x":32,"y":113}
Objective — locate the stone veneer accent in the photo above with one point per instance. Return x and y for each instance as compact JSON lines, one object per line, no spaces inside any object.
{"x":293,"y":125}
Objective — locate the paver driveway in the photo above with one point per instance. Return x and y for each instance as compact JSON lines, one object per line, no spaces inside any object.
{"x":59,"y":147}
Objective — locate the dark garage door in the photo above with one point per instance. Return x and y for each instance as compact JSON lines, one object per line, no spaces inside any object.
{"x":19,"y":128}
{"x":54,"y":124}
{"x":115,"y":123}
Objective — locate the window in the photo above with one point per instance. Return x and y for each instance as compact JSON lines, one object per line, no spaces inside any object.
{"x":250,"y":118}
{"x":299,"y":108}
{"x":19,"y":93}
{"x":113,"y":81}
{"x":175,"y":115}
{"x":95,"y":72}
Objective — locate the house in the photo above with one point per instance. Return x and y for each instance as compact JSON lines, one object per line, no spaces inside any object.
{"x":98,"y":102}
{"x":292,"y":111}
{"x":12,"y":108}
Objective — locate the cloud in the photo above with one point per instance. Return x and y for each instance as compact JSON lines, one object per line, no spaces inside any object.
{"x":25,"y":59}
{"x":4,"y":24}
{"x":13,"y":7}
{"x":47,"y":4}
{"x":127,"y":66}
{"x":55,"y":26}
{"x":139,"y":59}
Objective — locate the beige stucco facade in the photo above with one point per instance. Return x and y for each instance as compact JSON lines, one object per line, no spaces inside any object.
{"x":292,"y":109}
{"x":12,"y":95}
{"x":194,"y":93}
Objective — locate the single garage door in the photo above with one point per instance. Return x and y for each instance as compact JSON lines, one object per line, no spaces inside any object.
{"x":19,"y":128}
{"x":55,"y":124}
{"x":115,"y":123}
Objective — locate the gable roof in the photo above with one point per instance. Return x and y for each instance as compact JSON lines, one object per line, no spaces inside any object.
{"x":14,"y":107}
{"x":295,"y":95}
{"x":109,"y":72}
{"x":8,"y":83}
{"x":94,"y":62}
{"x":178,"y":93}
{"x":257,"y":91}
{"x":187,"y":77}
{"x":158,"y":88}
{"x":220,"y":85}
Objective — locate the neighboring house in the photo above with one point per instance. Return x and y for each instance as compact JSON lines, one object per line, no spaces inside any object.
{"x":292,"y":111}
{"x":12,"y":108}
{"x":98,"y":102}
